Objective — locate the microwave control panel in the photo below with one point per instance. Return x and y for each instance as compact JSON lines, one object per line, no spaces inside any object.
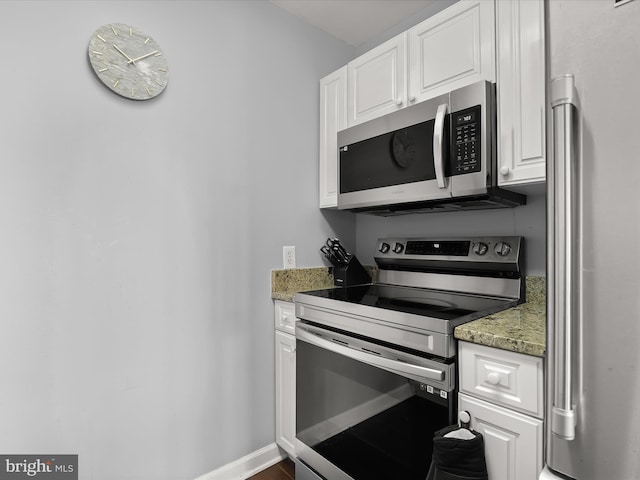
{"x":466,"y":141}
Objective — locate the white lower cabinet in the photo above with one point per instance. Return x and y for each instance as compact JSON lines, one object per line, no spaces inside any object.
{"x":512,"y":441}
{"x":285,"y":353}
{"x":493,"y":385}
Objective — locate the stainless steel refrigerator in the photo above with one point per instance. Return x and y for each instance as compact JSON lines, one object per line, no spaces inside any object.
{"x":593,"y":191}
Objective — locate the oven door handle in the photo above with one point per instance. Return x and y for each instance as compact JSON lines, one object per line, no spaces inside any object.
{"x":395,"y":366}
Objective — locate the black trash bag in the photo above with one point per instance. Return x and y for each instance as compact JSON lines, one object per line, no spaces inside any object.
{"x":458,"y":459}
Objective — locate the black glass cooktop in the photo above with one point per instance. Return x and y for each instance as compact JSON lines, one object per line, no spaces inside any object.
{"x":418,"y":301}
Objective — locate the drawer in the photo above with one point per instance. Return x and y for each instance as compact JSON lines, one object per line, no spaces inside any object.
{"x":504,"y":378}
{"x":285,"y":316}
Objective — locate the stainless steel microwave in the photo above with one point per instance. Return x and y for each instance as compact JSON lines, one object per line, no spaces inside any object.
{"x":437,"y":155}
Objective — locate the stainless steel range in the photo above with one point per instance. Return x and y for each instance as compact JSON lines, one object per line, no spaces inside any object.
{"x":375,"y":363}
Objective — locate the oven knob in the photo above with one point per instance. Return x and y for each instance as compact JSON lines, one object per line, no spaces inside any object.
{"x":398,"y":247}
{"x":480,"y":248}
{"x":384,"y":247}
{"x":502,"y":249}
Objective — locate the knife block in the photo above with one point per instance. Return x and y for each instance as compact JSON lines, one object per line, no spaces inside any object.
{"x":353,"y":273}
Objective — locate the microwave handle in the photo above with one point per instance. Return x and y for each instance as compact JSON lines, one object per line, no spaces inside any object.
{"x":438,"y":139}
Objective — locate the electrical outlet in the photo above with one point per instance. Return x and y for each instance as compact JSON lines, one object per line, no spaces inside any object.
{"x":289,"y":257}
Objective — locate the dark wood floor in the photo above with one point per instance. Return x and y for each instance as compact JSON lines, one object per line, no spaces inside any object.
{"x":284,"y":470}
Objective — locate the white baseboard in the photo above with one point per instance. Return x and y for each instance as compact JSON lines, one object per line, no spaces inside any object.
{"x":248,"y":465}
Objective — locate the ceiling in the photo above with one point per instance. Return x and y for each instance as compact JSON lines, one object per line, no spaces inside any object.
{"x":353,"y":21}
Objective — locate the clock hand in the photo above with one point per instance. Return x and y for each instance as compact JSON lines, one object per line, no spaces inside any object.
{"x":143,"y":56}
{"x":126,"y":56}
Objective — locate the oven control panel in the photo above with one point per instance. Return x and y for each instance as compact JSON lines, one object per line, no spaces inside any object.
{"x":461,"y":249}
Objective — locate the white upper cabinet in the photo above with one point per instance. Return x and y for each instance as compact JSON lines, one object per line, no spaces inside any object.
{"x":377,"y":81}
{"x":521,"y":92}
{"x":333,"y":117}
{"x":452,"y":49}
{"x":473,"y":40}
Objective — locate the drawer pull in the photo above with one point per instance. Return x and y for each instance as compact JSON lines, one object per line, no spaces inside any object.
{"x":493,"y":378}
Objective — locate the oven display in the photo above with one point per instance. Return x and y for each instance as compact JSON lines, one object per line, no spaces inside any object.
{"x":448,"y":248}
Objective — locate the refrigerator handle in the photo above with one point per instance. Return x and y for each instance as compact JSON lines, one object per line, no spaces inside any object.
{"x":438,"y":140}
{"x":563,"y":254}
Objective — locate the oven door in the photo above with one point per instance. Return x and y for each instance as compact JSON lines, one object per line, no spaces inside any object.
{"x":367,"y":411}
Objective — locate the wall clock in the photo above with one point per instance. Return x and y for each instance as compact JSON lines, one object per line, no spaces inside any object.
{"x":128,"y":61}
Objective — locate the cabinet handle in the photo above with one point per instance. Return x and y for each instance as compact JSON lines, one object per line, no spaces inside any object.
{"x":504,"y":170}
{"x":465,"y":418}
{"x":399,"y":102}
{"x":412,"y":98}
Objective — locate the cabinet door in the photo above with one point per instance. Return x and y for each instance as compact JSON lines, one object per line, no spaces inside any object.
{"x":512,"y":441}
{"x":377,"y":81}
{"x":333,"y":117}
{"x":452,"y":49}
{"x":286,"y":392}
{"x":521,"y":92}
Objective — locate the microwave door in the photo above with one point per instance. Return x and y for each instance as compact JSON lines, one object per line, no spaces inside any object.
{"x":472,"y":126}
{"x":391,"y":160}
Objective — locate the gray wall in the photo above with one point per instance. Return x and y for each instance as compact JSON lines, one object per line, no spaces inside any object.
{"x":430,"y":10}
{"x":138,"y":237}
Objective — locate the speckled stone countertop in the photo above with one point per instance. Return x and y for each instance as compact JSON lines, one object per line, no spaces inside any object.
{"x":519,"y":329}
{"x":285,"y":283}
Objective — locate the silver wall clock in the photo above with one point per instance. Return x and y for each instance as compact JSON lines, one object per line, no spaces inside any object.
{"x":128,"y":61}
